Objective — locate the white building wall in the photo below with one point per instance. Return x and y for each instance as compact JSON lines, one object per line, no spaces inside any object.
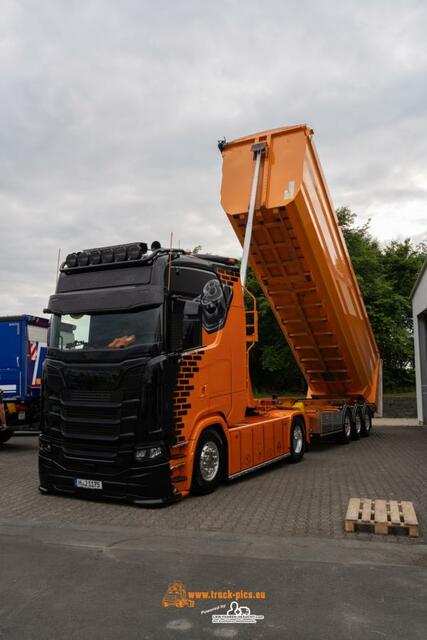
{"x":419,"y":305}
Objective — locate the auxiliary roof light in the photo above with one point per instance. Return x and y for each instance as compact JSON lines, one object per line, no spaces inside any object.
{"x":82,"y":259}
{"x":134,"y":252}
{"x":120,"y":254}
{"x":95,"y":256}
{"x":71,"y":260}
{"x":107,"y":255}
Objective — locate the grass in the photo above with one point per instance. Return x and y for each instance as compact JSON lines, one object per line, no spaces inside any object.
{"x":400,"y":394}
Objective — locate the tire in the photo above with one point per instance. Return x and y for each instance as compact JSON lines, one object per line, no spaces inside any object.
{"x":5,"y":436}
{"x":367,"y":423}
{"x":208,"y":469}
{"x":297,"y":443}
{"x":347,"y":424}
{"x":357,"y":425}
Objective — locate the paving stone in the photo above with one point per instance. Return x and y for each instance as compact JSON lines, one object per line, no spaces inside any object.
{"x":306,"y":499}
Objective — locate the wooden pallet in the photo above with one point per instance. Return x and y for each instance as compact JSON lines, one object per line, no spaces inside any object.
{"x":381,"y":516}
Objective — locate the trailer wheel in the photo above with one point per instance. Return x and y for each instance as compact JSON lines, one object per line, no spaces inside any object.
{"x":357,"y":424}
{"x":347,"y":425}
{"x":4,"y":437}
{"x":297,"y":444}
{"x":367,"y":422}
{"x":208,"y":470}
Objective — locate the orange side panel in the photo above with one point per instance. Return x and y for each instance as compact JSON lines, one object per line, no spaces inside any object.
{"x":258,"y":444}
{"x":246,"y":451}
{"x":301,"y":262}
{"x":234,"y":463}
{"x":278,"y":438}
{"x":269,"y":447}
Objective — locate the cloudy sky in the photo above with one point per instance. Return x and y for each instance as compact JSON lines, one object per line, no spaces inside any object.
{"x":110,"y":112}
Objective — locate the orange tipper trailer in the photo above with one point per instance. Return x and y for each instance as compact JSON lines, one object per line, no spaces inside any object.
{"x":300,"y":259}
{"x":146,"y":387}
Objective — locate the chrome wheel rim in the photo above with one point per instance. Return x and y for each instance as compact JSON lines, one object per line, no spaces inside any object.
{"x":209,"y":461}
{"x":358,"y":423}
{"x":347,"y":426}
{"x":297,"y":439}
{"x":367,"y":423}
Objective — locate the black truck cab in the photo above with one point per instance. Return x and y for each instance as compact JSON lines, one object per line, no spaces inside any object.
{"x":111,"y":367}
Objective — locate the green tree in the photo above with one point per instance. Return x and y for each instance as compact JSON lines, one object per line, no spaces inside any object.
{"x":386,"y":276}
{"x":273,"y":366}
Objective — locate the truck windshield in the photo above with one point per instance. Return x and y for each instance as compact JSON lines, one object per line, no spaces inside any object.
{"x":80,"y":332}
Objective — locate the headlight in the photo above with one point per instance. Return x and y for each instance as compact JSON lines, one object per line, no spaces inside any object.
{"x":150,"y":453}
{"x":141,"y":454}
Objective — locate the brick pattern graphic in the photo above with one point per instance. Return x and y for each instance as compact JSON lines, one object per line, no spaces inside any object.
{"x":190,"y":364}
{"x":227,"y":276}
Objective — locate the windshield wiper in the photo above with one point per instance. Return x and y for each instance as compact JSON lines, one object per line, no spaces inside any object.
{"x":77,"y":343}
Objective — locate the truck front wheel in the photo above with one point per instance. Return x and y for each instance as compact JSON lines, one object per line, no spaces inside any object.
{"x":208,"y":469}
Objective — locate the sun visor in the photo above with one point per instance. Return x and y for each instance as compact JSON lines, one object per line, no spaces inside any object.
{"x":105,"y":300}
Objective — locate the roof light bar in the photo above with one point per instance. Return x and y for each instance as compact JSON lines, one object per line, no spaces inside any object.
{"x":123,"y":253}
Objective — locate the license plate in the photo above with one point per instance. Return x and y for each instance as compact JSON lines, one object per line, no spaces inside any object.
{"x":21,"y":415}
{"x":87,"y":484}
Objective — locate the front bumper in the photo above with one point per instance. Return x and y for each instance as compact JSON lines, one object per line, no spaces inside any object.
{"x":148,"y":486}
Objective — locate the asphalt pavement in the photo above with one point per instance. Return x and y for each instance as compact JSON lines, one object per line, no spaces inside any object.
{"x":108,"y":583}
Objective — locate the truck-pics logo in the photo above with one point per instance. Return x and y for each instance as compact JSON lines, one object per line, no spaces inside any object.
{"x":176,"y":596}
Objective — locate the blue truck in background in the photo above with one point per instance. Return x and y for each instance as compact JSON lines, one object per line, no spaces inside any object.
{"x":23,"y":342}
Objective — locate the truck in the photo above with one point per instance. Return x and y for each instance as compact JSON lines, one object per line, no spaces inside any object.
{"x":147,"y":393}
{"x":23,"y":343}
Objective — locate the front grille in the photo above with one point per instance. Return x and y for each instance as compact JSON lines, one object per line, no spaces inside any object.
{"x":90,"y":396}
{"x":110,"y":432}
{"x":86,"y":413}
{"x":89,"y":450}
{"x":94,"y":406}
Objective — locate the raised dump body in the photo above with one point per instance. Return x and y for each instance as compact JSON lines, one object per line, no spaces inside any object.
{"x":301,"y":261}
